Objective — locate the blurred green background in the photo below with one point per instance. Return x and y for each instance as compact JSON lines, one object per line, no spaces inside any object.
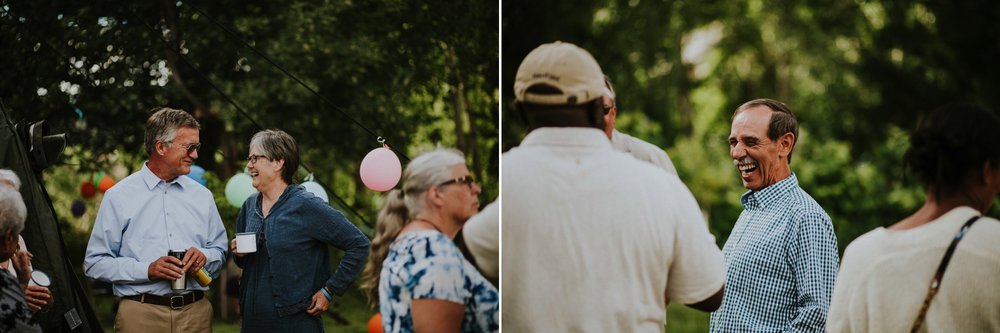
{"x":419,"y":74}
{"x":857,"y":74}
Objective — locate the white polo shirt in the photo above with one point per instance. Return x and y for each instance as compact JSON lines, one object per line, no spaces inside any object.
{"x":642,"y":150}
{"x":593,"y":239}
{"x":482,"y":237}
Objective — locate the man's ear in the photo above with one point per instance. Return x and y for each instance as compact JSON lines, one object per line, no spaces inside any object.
{"x":160,"y":147}
{"x":785,"y":144}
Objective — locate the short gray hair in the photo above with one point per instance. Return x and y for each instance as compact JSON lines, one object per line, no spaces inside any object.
{"x":8,"y":175}
{"x":278,"y":145}
{"x":163,"y":124}
{"x":782,"y":120}
{"x":12,"y":211}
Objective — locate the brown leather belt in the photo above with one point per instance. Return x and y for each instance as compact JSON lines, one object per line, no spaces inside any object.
{"x":173,"y":301}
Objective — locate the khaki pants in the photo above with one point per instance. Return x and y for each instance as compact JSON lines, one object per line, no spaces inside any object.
{"x":139,"y":317}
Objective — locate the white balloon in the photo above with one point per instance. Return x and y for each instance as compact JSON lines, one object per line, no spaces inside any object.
{"x":239,"y":188}
{"x":316,"y":189}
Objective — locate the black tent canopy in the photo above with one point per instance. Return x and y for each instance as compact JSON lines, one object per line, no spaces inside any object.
{"x":27,"y":149}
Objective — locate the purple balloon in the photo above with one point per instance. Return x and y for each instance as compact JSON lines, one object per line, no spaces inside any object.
{"x":78,"y":208}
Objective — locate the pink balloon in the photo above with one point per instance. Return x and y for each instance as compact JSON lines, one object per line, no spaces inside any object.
{"x":380,"y":170}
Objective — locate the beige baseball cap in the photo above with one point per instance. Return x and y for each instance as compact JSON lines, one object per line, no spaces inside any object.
{"x":564,"y":66}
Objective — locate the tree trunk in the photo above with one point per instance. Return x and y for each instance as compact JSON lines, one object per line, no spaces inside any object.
{"x":458,"y":103}
{"x":172,"y":53}
{"x":466,"y":141}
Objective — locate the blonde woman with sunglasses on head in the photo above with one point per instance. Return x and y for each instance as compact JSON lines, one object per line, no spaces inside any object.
{"x":416,"y":274}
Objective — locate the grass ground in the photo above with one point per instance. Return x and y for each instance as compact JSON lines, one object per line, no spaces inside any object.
{"x":682,"y":319}
{"x":352,"y":314}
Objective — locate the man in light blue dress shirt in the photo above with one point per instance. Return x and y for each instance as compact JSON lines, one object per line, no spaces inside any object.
{"x":147,"y":214}
{"x":781,"y":258}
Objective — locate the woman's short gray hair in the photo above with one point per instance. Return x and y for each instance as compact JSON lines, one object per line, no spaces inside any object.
{"x":278,"y":145}
{"x":12,"y":211}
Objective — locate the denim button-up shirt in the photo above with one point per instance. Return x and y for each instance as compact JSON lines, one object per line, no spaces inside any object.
{"x":297,"y":232}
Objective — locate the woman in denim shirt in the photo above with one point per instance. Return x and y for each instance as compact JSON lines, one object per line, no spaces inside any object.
{"x":286,"y":284}
{"x":417,"y":275}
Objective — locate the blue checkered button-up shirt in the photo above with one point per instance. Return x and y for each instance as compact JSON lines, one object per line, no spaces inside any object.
{"x":781,"y":262}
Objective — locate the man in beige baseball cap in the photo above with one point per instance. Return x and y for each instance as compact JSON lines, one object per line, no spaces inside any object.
{"x":564,"y":83}
{"x":593,"y":240}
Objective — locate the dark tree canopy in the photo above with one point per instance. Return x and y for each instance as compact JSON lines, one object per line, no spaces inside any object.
{"x":417,"y":74}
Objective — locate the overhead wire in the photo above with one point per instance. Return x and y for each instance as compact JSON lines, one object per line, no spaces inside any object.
{"x":322,"y":99}
{"x":180,"y":56}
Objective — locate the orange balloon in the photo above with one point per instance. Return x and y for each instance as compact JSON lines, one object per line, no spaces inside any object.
{"x":106,"y":183}
{"x":375,"y":324}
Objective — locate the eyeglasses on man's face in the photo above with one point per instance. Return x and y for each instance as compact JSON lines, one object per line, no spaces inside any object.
{"x":608,"y":104}
{"x":252,"y":159}
{"x":467,"y":180}
{"x":190,"y":148}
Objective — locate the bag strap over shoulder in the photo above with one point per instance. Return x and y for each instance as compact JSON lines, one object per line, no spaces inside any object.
{"x":936,"y":282}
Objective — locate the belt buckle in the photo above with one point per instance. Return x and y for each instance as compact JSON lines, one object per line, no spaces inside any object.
{"x":177,"y":302}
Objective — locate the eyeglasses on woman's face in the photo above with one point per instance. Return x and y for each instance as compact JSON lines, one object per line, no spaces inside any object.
{"x":467,"y":180}
{"x":252,"y":159}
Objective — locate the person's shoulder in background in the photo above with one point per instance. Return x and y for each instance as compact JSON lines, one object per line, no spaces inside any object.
{"x":643,"y":151}
{"x":482,"y":237}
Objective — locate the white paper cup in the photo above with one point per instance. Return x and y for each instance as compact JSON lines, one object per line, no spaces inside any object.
{"x":246,"y":242}
{"x":39,"y":278}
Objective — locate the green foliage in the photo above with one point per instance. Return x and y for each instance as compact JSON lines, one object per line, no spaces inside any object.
{"x":413,"y":73}
{"x":419,"y":74}
{"x":857,"y":75}
{"x":683,"y":319}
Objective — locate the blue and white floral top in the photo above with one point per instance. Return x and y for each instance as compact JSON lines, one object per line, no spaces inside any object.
{"x":428,"y":265}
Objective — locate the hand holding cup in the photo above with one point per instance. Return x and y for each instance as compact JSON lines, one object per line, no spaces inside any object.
{"x":37,"y":297}
{"x":194,"y":260}
{"x":166,"y":268}
{"x":246,"y":242}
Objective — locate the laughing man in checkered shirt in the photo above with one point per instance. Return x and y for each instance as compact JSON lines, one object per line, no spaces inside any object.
{"x":781,"y":258}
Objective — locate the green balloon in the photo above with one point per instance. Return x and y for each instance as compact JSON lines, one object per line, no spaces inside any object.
{"x":97,"y":177}
{"x":239,"y":188}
